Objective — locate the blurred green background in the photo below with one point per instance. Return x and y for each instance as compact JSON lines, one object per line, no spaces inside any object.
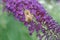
{"x":11,"y":29}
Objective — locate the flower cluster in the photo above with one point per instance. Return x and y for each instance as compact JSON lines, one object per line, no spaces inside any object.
{"x":35,"y":17}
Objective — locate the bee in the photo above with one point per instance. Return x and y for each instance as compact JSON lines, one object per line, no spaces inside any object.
{"x":28,"y":16}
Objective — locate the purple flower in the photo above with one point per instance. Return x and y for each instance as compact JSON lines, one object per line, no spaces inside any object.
{"x":34,"y":16}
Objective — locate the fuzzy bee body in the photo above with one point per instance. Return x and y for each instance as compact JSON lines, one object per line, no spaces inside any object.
{"x":28,"y":16}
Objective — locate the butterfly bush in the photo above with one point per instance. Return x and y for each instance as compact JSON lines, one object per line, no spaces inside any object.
{"x":40,"y":21}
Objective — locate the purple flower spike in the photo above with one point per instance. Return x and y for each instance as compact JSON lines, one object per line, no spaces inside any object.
{"x":35,"y":17}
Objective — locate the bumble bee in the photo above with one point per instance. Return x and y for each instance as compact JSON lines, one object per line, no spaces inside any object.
{"x":28,"y":16}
